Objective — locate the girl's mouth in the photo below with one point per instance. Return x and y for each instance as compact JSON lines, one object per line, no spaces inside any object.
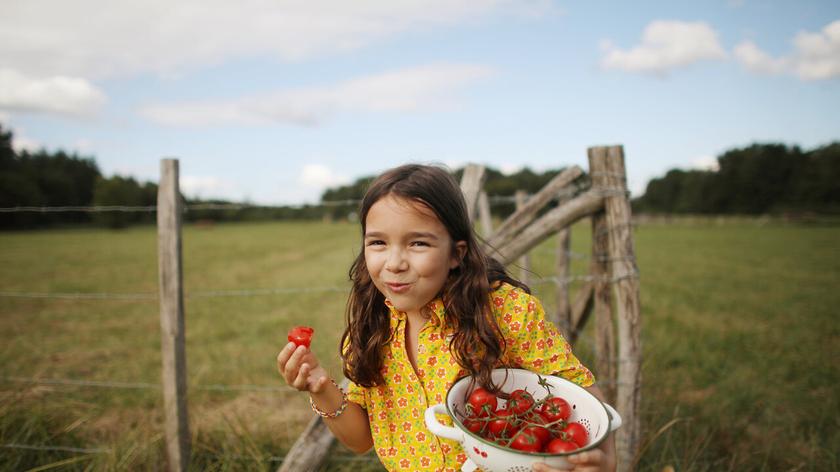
{"x":398,"y":288}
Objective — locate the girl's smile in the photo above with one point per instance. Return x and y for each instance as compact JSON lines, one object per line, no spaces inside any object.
{"x":408,"y":252}
{"x":398,"y":287}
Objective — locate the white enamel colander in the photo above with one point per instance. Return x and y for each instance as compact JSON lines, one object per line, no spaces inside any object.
{"x":598,"y":418}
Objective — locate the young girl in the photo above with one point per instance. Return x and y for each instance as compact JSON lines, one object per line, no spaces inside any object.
{"x":427,"y":307}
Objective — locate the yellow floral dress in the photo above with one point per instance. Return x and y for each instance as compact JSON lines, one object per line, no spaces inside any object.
{"x":396,"y":409}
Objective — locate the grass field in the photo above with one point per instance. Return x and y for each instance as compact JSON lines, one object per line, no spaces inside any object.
{"x":741,"y":343}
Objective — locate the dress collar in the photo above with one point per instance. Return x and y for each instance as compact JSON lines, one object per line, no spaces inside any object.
{"x":434,"y":308}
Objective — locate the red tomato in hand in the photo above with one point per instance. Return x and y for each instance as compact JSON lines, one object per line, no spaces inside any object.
{"x":482,"y":402}
{"x":555,"y":409}
{"x":520,"y":401}
{"x":503,"y":425}
{"x":525,"y":441}
{"x":557,"y":446}
{"x":301,"y":335}
{"x":576,"y":433}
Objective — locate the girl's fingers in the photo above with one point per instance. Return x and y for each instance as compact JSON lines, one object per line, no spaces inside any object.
{"x":284,"y":356}
{"x":540,"y":467}
{"x":301,"y":382}
{"x":592,"y":457}
{"x":292,"y":366}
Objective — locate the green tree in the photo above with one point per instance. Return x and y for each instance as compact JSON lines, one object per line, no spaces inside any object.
{"x":118,"y":191}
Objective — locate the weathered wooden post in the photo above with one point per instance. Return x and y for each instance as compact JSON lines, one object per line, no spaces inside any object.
{"x":471,"y":183}
{"x":484,"y":214}
{"x":607,"y":166}
{"x":520,"y":218}
{"x":562,"y":270}
{"x":310,"y":450}
{"x":521,"y":197}
{"x":602,"y":303}
{"x":176,"y":424}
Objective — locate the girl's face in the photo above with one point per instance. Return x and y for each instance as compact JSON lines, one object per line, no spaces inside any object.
{"x":408,"y":252}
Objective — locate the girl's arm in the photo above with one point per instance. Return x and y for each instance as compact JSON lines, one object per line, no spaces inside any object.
{"x":601,"y":459}
{"x":300,"y":369}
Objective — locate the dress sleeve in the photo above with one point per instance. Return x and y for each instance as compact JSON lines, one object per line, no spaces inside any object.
{"x":357,"y":394}
{"x":533,"y":342}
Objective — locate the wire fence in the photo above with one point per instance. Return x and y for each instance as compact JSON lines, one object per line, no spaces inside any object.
{"x":104,"y":450}
{"x":246,"y":292}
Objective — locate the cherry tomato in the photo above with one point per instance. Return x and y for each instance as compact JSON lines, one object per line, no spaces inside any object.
{"x":520,"y":401}
{"x":576,"y":433}
{"x":558,"y":446}
{"x":527,"y":442}
{"x":555,"y":409}
{"x":503,"y":424}
{"x":539,"y":432}
{"x":475,"y":425}
{"x":482,"y":402}
{"x":301,"y":335}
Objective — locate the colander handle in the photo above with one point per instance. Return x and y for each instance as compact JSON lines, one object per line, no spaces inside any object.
{"x":438,"y":429}
{"x":615,"y":418}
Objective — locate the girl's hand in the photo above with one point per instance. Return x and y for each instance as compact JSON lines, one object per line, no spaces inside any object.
{"x":300,"y":369}
{"x":594,"y":460}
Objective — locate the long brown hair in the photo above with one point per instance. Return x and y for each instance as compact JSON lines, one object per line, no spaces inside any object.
{"x":477,"y":344}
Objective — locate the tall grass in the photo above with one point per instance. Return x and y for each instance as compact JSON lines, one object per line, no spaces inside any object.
{"x":740,"y":343}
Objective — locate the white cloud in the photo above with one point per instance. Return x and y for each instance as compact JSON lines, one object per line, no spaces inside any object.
{"x":705,"y":163}
{"x":666,"y":44}
{"x":319,"y":176}
{"x":21,"y":142}
{"x":101,"y":38}
{"x":57,"y":94}
{"x":418,"y":88}
{"x":510,"y":168}
{"x":816,"y":55}
{"x":756,"y":60}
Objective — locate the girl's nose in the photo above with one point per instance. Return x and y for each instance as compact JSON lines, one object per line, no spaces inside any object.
{"x":396,"y":261}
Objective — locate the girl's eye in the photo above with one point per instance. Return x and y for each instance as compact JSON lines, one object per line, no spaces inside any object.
{"x":420,"y":243}
{"x":375,"y":242}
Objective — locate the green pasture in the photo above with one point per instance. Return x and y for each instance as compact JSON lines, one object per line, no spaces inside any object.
{"x":741,"y":343}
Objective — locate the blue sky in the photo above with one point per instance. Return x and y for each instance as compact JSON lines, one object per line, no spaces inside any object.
{"x":272,"y":102}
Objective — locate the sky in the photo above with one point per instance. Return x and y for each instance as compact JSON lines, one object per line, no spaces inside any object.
{"x":272,"y":102}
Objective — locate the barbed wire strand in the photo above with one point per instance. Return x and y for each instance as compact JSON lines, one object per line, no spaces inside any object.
{"x":80,"y":450}
{"x":102,"y":450}
{"x":153,"y":296}
{"x":199,"y":206}
{"x":146,"y":296}
{"x":145,"y":385}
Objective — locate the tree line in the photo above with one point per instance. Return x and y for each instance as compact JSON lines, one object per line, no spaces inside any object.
{"x":754,"y":180}
{"x":758,"y":179}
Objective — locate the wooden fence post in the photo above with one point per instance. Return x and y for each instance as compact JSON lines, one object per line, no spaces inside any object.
{"x":521,"y":197}
{"x":516,"y":222}
{"x":310,"y":450}
{"x":536,"y":232}
{"x":173,"y":351}
{"x":562,"y":270}
{"x":471,"y":183}
{"x":484,"y":214}
{"x":607,"y":166}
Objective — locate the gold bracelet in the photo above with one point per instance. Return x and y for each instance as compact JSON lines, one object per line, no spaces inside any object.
{"x":335,"y":413}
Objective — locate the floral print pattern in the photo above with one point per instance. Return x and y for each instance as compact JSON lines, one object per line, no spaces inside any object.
{"x":395,"y":410}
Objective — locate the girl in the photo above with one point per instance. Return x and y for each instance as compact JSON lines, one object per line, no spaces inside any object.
{"x":427,"y":307}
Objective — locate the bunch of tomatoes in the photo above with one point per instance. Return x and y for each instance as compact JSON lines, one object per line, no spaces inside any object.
{"x":523,"y":423}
